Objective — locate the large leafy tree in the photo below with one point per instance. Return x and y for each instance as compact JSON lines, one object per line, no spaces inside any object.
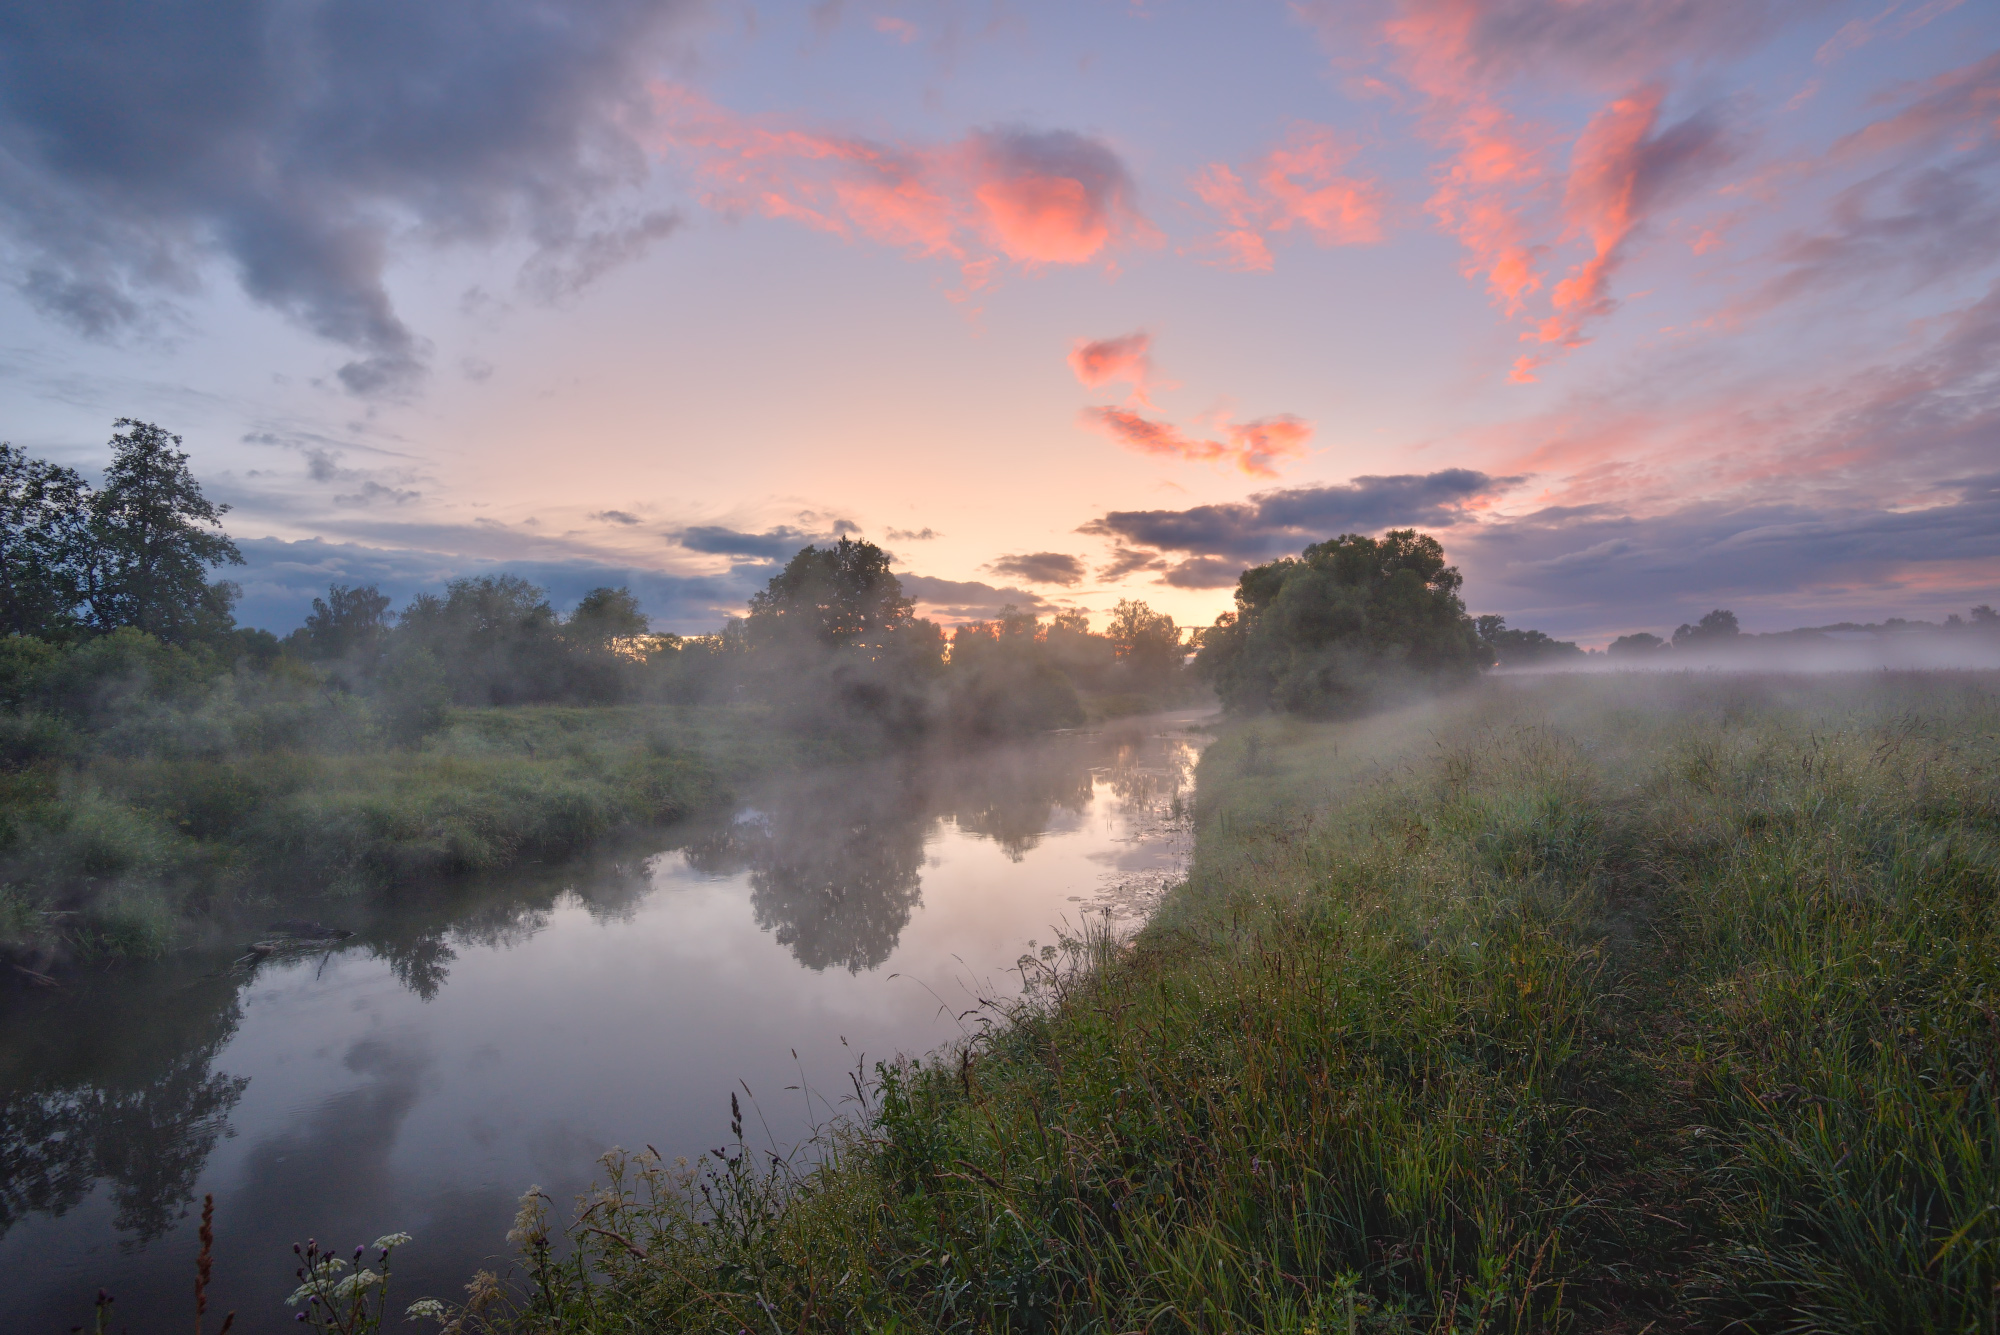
{"x":833,"y":640}
{"x":154,"y":538}
{"x":840,"y":597}
{"x":45,"y":547}
{"x":1343,"y":624}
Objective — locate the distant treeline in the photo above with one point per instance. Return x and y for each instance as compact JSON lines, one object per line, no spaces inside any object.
{"x":1717,"y":635}
{"x":106,"y":596}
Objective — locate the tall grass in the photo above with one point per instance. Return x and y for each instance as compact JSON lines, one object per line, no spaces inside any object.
{"x":1566,"y":1004}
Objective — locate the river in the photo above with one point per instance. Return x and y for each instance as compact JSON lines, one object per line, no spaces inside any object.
{"x":476,"y":1037}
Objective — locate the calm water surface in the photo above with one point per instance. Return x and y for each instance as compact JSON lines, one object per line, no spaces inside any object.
{"x":476,"y":1038}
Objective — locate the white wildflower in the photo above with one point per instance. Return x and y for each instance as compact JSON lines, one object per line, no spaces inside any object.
{"x":425,"y":1307}
{"x":527,"y":1228}
{"x":316,"y":1281}
{"x":388,"y":1240}
{"x":358,"y":1282}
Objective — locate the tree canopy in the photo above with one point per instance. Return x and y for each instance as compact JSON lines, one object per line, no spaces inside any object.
{"x":134,"y":552}
{"x":842,"y":597}
{"x":44,"y":544}
{"x":1718,"y":627}
{"x":1340,"y":625}
{"x":150,"y":526}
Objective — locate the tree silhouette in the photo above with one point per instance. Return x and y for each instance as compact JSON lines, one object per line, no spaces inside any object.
{"x":152,"y":545}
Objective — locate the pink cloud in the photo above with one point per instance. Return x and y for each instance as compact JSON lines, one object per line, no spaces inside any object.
{"x":1497,"y":189}
{"x":1298,"y":185}
{"x":1483,"y":192}
{"x":1622,"y":169}
{"x":1255,"y":447}
{"x":902,"y":30}
{"x":1128,"y":358}
{"x":1032,"y":197}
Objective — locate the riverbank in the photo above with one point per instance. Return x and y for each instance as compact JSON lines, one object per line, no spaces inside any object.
{"x":1608,"y":1004}
{"x":122,"y":856}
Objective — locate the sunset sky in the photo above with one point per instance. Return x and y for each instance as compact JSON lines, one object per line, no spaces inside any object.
{"x":1642,"y":306}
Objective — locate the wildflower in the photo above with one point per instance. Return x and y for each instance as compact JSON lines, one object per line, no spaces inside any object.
{"x":424,"y":1307}
{"x":322,"y":1271}
{"x":388,"y":1240}
{"x":527,"y":1230}
{"x":357,"y":1283}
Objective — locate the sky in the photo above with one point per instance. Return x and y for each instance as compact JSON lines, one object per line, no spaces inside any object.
{"x":1642,"y":307}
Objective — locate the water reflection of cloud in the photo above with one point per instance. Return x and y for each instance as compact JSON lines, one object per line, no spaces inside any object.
{"x":338,"y":1158}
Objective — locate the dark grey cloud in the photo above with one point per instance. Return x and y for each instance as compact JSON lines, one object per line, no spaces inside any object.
{"x":1584,"y":568}
{"x":913,"y":535}
{"x":1041,"y":568}
{"x":281,"y":579}
{"x":774,"y":544}
{"x":1124,"y":560}
{"x":1203,"y":572}
{"x":1275,"y":522}
{"x":961,"y":599}
{"x":301,"y":141}
{"x":616,"y":517}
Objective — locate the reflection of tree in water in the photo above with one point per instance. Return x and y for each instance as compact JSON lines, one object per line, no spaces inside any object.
{"x":498,"y":913}
{"x":1145,"y":777}
{"x":835,"y":866}
{"x":107,"y":1083}
{"x":1011,"y":794}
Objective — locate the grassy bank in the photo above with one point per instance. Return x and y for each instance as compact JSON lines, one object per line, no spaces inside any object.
{"x":112,"y":852}
{"x":1611,"y":1004}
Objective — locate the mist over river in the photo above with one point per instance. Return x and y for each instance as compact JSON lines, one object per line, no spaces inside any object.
{"x":477,"y":1037}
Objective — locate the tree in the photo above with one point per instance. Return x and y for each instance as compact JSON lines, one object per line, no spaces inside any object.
{"x":841,"y":597}
{"x":1087,"y":660}
{"x":1003,"y":678}
{"x":44,"y":544}
{"x":152,"y":549}
{"x":604,"y":618}
{"x":1718,"y":627}
{"x":349,"y":624}
{"x":1146,"y":643}
{"x":496,"y":634}
{"x":1347,"y":622}
{"x":1070,"y":621}
{"x":1638,"y":645}
{"x":835,"y":643}
{"x":1521,"y":648}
